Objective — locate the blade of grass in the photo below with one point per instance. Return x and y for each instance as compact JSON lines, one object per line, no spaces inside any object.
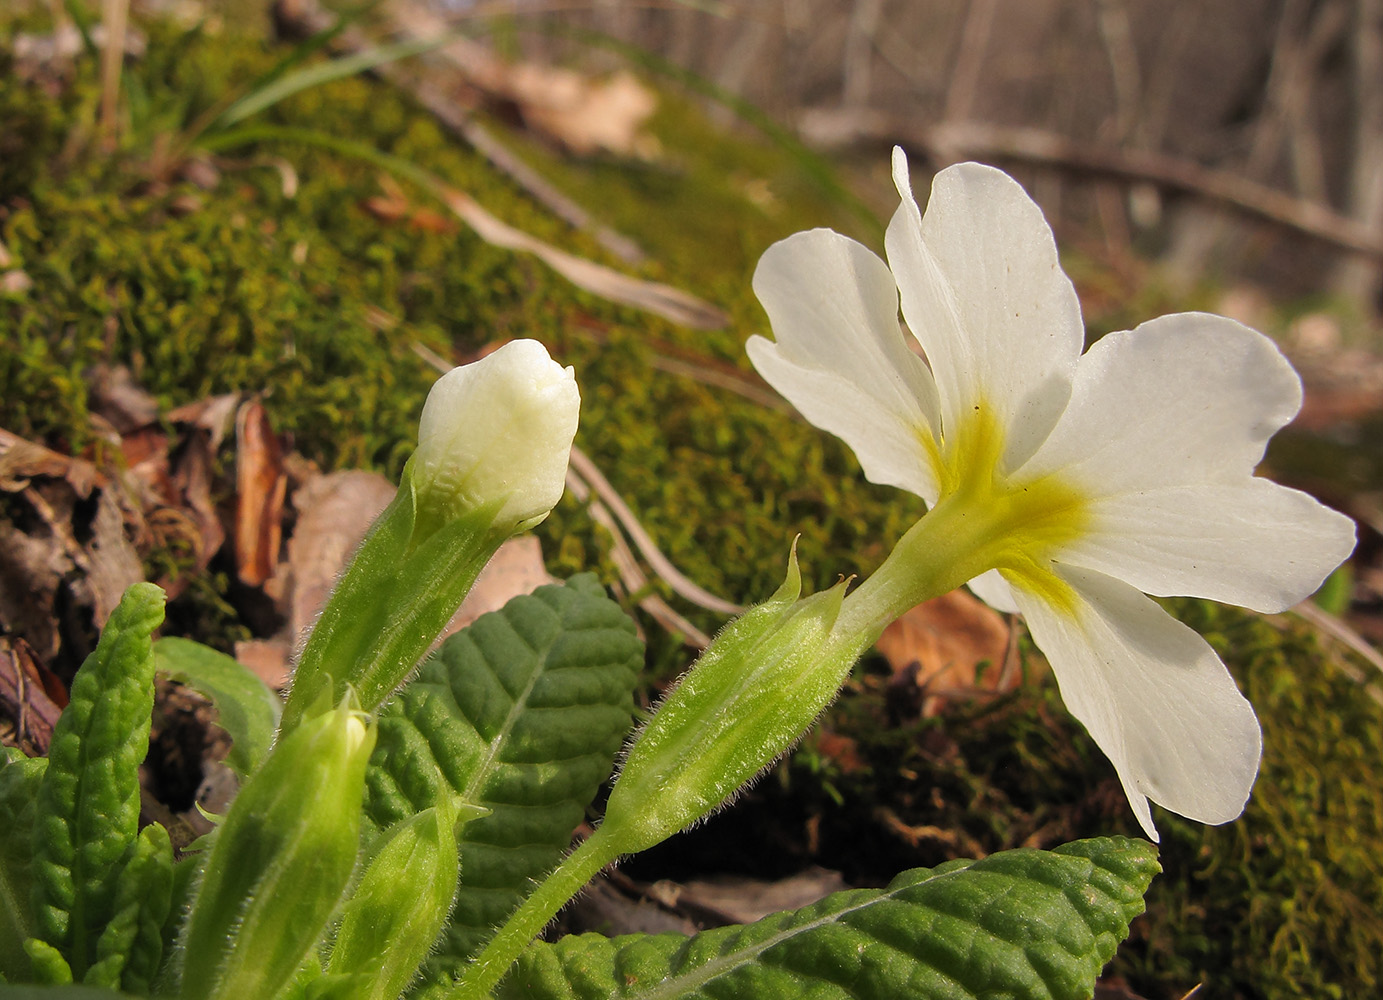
{"x":315,"y":76}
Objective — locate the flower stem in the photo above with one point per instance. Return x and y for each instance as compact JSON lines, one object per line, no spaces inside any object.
{"x":496,"y":958}
{"x":944,"y":549}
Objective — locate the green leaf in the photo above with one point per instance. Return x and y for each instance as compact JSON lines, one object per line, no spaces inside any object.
{"x":88,"y":803}
{"x":19,"y":781}
{"x":523,"y":713}
{"x":1019,"y":924}
{"x":49,"y":967}
{"x":130,"y":947}
{"x":248,"y":709}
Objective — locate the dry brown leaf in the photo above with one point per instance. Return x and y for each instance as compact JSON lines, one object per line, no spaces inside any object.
{"x":30,"y":695}
{"x":583,"y":114}
{"x":580,"y":112}
{"x":334,"y":512}
{"x":115,"y":396}
{"x":936,"y":650}
{"x":743,"y":900}
{"x":111,"y":563}
{"x":268,"y":659}
{"x":21,"y":459}
{"x":260,"y":487}
{"x":604,"y":909}
{"x":516,"y":569}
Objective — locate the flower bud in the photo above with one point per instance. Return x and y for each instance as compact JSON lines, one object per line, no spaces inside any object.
{"x":403,"y":899}
{"x":499,"y":429}
{"x":280,"y":861}
{"x":750,"y":697}
{"x":491,"y":462}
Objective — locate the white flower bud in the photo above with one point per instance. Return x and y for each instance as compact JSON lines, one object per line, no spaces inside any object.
{"x":498,"y":430}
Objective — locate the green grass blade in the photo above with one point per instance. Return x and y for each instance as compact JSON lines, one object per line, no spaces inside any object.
{"x":314,"y":76}
{"x":248,"y":710}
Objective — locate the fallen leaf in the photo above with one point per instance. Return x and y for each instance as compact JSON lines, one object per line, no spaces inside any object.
{"x":582,"y":113}
{"x":30,"y":695}
{"x":268,"y":659}
{"x":21,"y":459}
{"x":735,"y":900}
{"x":937,"y":651}
{"x":111,"y":563}
{"x":334,"y":512}
{"x":516,"y":569}
{"x":115,"y":396}
{"x":260,"y":487}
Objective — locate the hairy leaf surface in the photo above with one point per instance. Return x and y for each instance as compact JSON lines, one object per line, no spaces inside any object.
{"x":1037,"y":925}
{"x":19,"y":781}
{"x":523,"y":713}
{"x":88,"y":802}
{"x":246,"y":707}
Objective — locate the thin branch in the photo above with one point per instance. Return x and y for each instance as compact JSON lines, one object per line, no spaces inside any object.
{"x":659,"y":563}
{"x":630,"y":574}
{"x":965,"y":75}
{"x":1031,"y":145}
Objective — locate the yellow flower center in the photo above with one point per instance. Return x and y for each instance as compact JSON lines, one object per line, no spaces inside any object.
{"x":1012,"y":525}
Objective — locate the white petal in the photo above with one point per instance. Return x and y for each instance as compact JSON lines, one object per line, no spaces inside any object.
{"x":1254,"y":543}
{"x":1154,"y":696}
{"x":1182,"y":400}
{"x":841,"y":357}
{"x":984,"y":293}
{"x":994,"y":590}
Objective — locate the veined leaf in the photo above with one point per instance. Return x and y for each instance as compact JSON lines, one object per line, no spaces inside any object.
{"x":19,"y":780}
{"x":1037,"y":925}
{"x":88,"y":801}
{"x":523,"y":713}
{"x":246,"y":707}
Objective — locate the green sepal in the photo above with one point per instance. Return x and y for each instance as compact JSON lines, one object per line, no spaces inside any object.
{"x":247,"y":708}
{"x":394,"y":915}
{"x":20,"y":777}
{"x":1024,"y":923}
{"x":48,"y":967}
{"x":402,"y":587}
{"x":87,"y":816}
{"x":748,"y":698}
{"x":280,"y":862}
{"x":129,"y":949}
{"x":522,"y":712}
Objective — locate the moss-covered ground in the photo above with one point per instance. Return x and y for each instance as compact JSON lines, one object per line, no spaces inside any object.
{"x":310,"y":299}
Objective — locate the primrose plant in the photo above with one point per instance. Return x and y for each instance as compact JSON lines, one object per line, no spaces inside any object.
{"x":404,"y":830}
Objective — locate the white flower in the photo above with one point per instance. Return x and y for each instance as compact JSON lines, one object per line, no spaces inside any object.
{"x":1061,"y":485}
{"x":498,"y":430}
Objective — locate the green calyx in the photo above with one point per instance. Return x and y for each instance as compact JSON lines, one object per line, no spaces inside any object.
{"x":280,"y":862}
{"x":396,"y":912}
{"x":407,"y":579}
{"x":749,"y":698}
